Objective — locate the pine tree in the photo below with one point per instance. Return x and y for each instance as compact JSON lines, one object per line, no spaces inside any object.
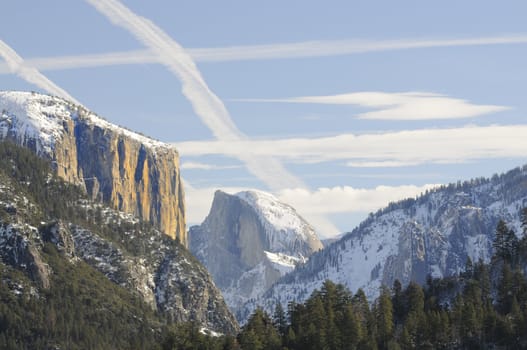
{"x":397,"y":301}
{"x":352,"y":329}
{"x":505,"y":243}
{"x":384,"y":317}
{"x":280,"y":320}
{"x":259,"y":333}
{"x":505,"y":288}
{"x":469,"y":268}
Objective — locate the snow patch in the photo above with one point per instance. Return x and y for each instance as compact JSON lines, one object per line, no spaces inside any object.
{"x":282,"y":224}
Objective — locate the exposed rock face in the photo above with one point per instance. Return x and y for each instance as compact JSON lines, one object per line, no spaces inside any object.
{"x":130,"y":172}
{"x":18,"y":247}
{"x":410,"y":240}
{"x":248,"y":241}
{"x":165,"y":275}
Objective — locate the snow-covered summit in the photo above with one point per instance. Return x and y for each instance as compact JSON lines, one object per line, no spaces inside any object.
{"x":283,"y":225}
{"x":43,"y":119}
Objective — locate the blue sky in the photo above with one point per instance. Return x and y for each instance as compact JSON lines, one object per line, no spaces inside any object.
{"x":337,"y":107}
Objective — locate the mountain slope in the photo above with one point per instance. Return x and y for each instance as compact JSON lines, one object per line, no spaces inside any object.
{"x":38,"y":210}
{"x":128,"y":171}
{"x":248,"y":241}
{"x":409,"y":240}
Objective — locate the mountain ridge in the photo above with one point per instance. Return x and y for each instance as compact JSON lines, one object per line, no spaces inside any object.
{"x":433,"y":234}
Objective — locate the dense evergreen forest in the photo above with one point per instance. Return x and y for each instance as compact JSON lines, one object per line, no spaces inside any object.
{"x":485,"y":307}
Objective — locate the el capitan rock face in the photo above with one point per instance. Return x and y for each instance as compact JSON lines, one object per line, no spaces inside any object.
{"x":130,"y":172}
{"x":248,"y":241}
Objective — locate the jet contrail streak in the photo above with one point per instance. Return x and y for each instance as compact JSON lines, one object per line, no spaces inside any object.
{"x":206,"y":104}
{"x":306,"y":49}
{"x":32,"y":75}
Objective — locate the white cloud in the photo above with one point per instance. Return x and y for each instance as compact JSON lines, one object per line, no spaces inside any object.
{"x":206,"y":104}
{"x":266,"y":52}
{"x":16,"y":65}
{"x":398,"y":106}
{"x":346,"y":199}
{"x":405,"y":147}
{"x":381,"y":164}
{"x":341,"y":47}
{"x":198,"y":201}
{"x":205,"y":166}
{"x":314,"y":206}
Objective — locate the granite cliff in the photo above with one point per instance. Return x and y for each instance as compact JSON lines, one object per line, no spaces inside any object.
{"x":248,"y":241}
{"x":128,"y":171}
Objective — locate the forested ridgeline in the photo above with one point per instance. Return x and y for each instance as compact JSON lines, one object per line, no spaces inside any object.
{"x":485,"y":307}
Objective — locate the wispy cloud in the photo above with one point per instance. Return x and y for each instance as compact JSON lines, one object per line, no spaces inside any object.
{"x":206,"y":104}
{"x":312,"y":205}
{"x":206,"y":166}
{"x":30,"y":74}
{"x":345,"y":199}
{"x":397,"y":106}
{"x":413,"y":147}
{"x":270,"y":51}
{"x":89,"y":60}
{"x":342,"y":47}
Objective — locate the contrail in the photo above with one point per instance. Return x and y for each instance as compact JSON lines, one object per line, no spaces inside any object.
{"x":88,"y":61}
{"x":292,"y":50}
{"x":206,"y":104}
{"x":32,"y":75}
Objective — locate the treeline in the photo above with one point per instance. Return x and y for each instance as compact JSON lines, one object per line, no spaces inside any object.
{"x":483,"y":308}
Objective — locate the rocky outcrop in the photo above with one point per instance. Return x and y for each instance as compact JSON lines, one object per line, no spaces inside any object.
{"x":19,"y":246}
{"x":248,"y":241}
{"x":165,"y":275}
{"x":130,"y":172}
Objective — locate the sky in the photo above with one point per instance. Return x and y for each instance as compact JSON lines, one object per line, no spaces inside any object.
{"x":336,"y":107}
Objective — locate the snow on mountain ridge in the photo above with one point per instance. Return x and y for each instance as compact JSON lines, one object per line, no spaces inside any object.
{"x":42,"y":118}
{"x":248,"y":241}
{"x":433,"y":234}
{"x":283,"y":225}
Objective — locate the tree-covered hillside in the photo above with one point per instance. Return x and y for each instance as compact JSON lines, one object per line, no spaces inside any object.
{"x":483,"y":308}
{"x":60,"y":287}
